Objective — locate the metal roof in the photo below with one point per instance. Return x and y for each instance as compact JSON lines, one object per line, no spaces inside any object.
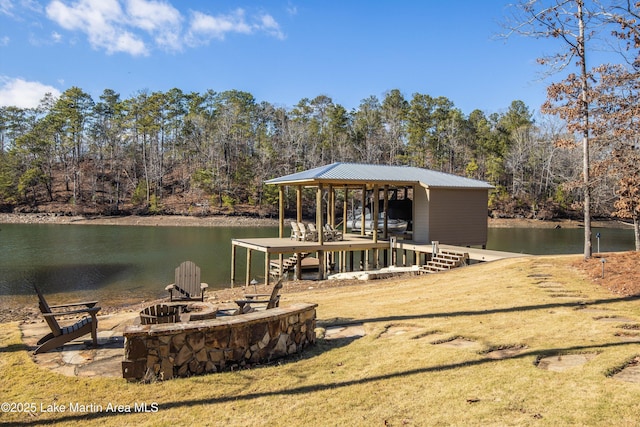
{"x":355,"y":173}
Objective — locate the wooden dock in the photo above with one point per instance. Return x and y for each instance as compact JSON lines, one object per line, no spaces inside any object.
{"x":394,"y":252}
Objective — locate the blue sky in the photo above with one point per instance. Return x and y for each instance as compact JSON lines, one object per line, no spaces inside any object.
{"x":279,"y":51}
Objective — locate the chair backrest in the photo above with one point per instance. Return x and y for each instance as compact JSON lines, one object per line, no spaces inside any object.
{"x":160,"y":313}
{"x":304,"y":234}
{"x":274,"y":298}
{"x":188,"y":278}
{"x":45,"y":309}
{"x":295,"y":231}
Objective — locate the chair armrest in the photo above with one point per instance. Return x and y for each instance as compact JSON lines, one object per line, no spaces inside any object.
{"x":242,"y":302}
{"x":204,"y":285}
{"x":88,"y":304}
{"x":252,"y":296}
{"x":170,"y":287}
{"x":91,"y":310}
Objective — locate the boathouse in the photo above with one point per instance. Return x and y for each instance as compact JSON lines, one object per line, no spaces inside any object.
{"x":442,"y":207}
{"x":439,"y":207}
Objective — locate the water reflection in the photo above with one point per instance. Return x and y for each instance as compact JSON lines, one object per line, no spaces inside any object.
{"x":122,"y":263}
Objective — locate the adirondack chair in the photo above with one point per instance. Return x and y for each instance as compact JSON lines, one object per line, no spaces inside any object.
{"x":245,"y":305}
{"x":305,"y":233}
{"x":332,"y":233}
{"x":187,"y":285}
{"x":60,"y":335}
{"x":160,"y":313}
{"x":312,"y":233}
{"x":295,"y":231}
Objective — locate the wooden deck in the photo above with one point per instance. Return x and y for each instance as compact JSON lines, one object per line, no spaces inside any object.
{"x":275,"y":245}
{"x":351,"y":243}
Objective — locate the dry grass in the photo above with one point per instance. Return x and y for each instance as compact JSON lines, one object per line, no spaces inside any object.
{"x":540,"y":305}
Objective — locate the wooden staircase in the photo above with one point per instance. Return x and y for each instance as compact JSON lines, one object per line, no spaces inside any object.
{"x":445,"y":260}
{"x":287,"y":265}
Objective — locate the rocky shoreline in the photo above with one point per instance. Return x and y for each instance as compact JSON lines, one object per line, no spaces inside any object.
{"x":249,"y":221}
{"x":150,"y":220}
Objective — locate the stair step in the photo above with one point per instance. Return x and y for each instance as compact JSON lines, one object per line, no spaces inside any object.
{"x":444,"y":260}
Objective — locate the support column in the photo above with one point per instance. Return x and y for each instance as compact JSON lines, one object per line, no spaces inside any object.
{"x":344,"y":226}
{"x":321,"y":258}
{"x":364,"y":204}
{"x":281,"y":219}
{"x":281,"y":210}
{"x":247,"y":279}
{"x":374,"y":214}
{"x":299,"y":203}
{"x":319,"y":214}
{"x":385,"y":228}
{"x":233,"y":264}
{"x":267,"y":266}
{"x":345,"y":211}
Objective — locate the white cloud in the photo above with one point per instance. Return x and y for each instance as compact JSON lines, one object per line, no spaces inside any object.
{"x":205,"y":27}
{"x":209,"y":26}
{"x":102,"y":20}
{"x":20,"y":93}
{"x":4,"y":41}
{"x":270,"y":26}
{"x":6,"y":7}
{"x":134,"y":26}
{"x":160,"y":19}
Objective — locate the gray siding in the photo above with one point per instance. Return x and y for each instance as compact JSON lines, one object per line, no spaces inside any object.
{"x":457,"y":216}
{"x":420,"y":215}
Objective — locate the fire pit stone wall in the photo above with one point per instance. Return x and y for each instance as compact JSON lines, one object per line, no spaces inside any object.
{"x":165,"y":351}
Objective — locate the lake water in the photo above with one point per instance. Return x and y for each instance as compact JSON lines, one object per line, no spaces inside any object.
{"x":116,"y":264}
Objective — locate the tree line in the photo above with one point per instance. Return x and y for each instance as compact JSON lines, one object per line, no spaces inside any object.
{"x":216,"y":149}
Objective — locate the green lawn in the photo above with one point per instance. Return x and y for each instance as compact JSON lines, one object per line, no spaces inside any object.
{"x":404,"y":371}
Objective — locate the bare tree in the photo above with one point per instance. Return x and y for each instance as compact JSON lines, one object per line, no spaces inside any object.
{"x":574,"y":25}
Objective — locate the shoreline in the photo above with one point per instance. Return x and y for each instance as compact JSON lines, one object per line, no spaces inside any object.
{"x":247,"y":221}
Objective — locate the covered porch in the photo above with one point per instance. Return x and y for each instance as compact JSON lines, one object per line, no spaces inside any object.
{"x":433,"y":205}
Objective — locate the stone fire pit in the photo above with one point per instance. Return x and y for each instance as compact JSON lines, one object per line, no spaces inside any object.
{"x":165,"y":351}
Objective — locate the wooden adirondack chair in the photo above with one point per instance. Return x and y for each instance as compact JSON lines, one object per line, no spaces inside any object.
{"x":160,"y":313}
{"x":60,"y":335}
{"x":295,"y":231}
{"x":244,"y":305}
{"x":332,"y":233}
{"x":187,"y":285}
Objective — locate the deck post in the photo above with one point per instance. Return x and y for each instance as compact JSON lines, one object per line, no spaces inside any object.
{"x":247,"y":279}
{"x":364,"y":204}
{"x":321,"y":265}
{"x":319,"y":214}
{"x":374,"y":214}
{"x":374,"y":223}
{"x":299,"y":203}
{"x":344,"y":211}
{"x":344,"y":225}
{"x":331,"y":208}
{"x":331,"y":214}
{"x":267,"y":266}
{"x":385,"y":233}
{"x":298,"y":266}
{"x":281,"y":210}
{"x":233,"y":263}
